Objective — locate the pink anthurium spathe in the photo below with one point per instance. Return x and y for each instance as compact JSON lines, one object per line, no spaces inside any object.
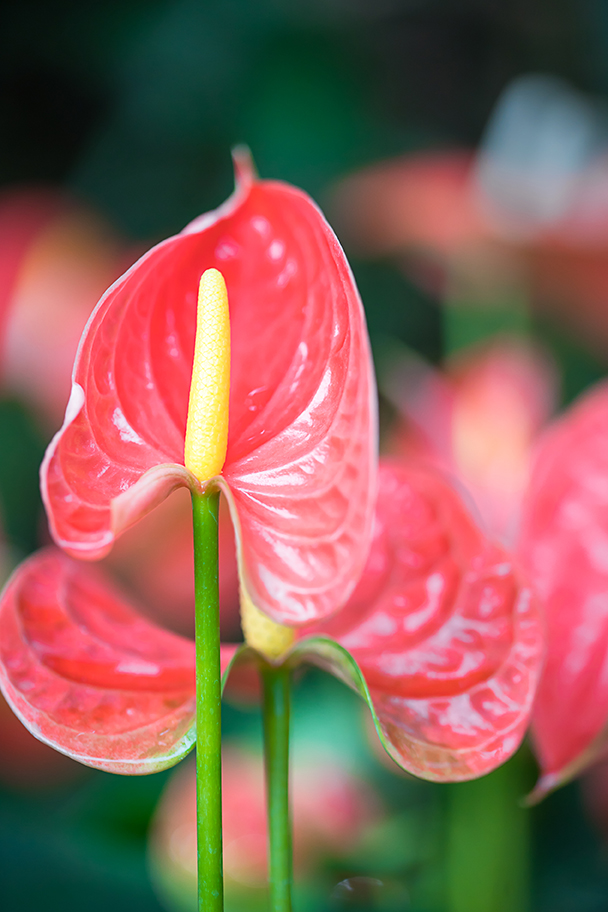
{"x":299,"y":473}
{"x":564,"y":547}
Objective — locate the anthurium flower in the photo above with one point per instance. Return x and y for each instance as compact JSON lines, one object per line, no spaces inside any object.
{"x":563,"y":545}
{"x":56,"y":259}
{"x":441,"y":638}
{"x":298,"y":473}
{"x":299,"y":469}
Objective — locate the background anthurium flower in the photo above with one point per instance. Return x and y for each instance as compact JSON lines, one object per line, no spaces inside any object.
{"x":331,"y":815}
{"x":434,"y":212}
{"x":477,"y":419}
{"x":155,"y":562}
{"x":560,"y":539}
{"x":441,"y":638}
{"x":300,"y":467}
{"x":24,"y":215}
{"x":56,"y":259}
{"x":564,"y":547}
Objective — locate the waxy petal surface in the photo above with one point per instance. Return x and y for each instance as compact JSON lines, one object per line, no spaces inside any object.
{"x":299,"y":470}
{"x":88,"y":675}
{"x":564,"y":547}
{"x":446,"y":638}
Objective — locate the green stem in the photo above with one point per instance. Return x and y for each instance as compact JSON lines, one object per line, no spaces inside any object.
{"x":208,"y":704}
{"x":275,"y":681}
{"x":488,"y":840}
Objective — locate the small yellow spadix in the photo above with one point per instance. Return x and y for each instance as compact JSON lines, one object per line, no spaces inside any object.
{"x":269,"y":638}
{"x":207,"y":425}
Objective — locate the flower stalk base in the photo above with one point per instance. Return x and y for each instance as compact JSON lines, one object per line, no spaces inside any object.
{"x":276,"y":709}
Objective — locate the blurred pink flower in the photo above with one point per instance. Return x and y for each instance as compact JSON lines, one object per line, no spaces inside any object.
{"x":478,"y":420}
{"x":433,"y":212}
{"x":419,"y":202}
{"x":56,"y":258}
{"x":332,"y":809}
{"x":155,"y":562}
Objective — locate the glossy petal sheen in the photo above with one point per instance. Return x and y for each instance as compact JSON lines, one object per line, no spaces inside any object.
{"x":299,"y":471}
{"x":564,"y":546}
{"x":88,"y":675}
{"x":446,"y":637}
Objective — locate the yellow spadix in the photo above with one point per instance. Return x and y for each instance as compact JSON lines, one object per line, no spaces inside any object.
{"x":207,"y":425}
{"x":207,"y":432}
{"x":265,"y":635}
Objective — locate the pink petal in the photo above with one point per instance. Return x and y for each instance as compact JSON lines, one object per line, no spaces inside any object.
{"x":447,"y":638}
{"x":564,"y":546}
{"x":88,"y":675}
{"x":300,"y":463}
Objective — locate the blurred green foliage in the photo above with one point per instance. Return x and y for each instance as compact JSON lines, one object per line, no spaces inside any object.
{"x":21,"y":451}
